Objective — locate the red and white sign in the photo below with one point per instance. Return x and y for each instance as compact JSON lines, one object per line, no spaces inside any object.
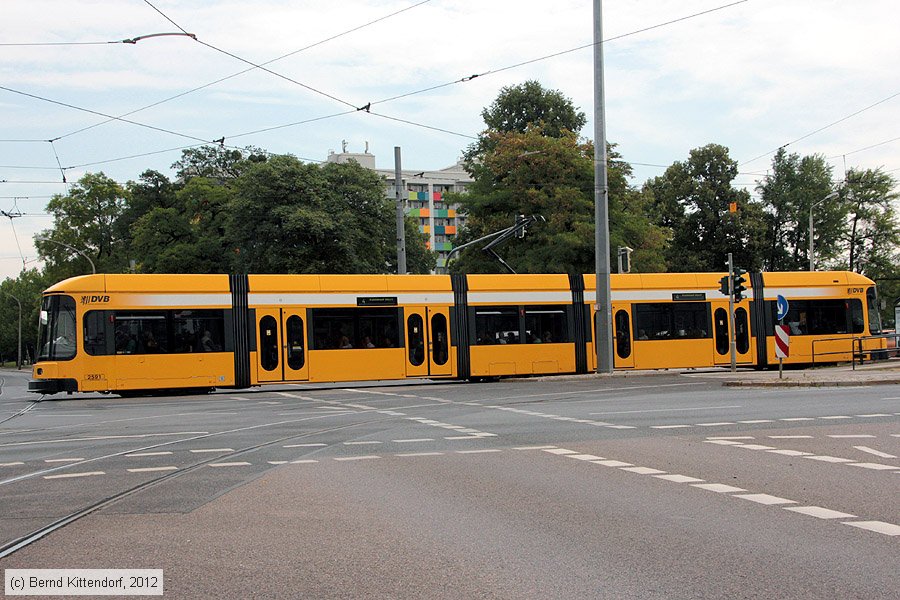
{"x":782,"y":341}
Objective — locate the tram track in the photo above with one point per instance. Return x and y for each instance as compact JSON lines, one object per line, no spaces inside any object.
{"x":21,"y":542}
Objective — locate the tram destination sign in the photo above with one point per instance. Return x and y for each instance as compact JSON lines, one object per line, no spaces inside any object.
{"x":688,"y":296}
{"x":376,"y":300}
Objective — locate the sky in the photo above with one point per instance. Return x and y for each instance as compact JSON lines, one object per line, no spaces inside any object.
{"x":819,"y":76}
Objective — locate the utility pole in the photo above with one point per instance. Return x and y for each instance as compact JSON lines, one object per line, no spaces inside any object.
{"x":401,"y":227}
{"x":603,"y":307}
{"x":731,"y":336}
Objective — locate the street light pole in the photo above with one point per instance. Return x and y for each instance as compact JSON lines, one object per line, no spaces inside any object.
{"x":72,"y":248}
{"x":811,"y":232}
{"x":603,"y":306}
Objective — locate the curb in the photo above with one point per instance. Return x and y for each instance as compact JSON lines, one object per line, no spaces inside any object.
{"x":810,"y":383}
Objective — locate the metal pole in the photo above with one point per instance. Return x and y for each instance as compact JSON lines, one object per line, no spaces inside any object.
{"x":811,"y":267}
{"x":732,"y":340}
{"x":19,"y":346}
{"x":603,"y":307}
{"x":401,"y":227}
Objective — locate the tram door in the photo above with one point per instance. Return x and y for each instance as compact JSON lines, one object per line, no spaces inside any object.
{"x":623,"y":351}
{"x":427,"y":341}
{"x":268,"y":344}
{"x":293,"y":326}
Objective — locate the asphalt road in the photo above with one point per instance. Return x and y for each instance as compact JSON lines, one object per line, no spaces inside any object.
{"x":656,"y":486}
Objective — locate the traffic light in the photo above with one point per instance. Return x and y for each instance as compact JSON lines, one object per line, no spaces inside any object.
{"x":723,"y":285}
{"x":739,"y":281}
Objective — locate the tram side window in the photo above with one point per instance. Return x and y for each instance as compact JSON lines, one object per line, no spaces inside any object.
{"x":623,"y":334}
{"x":666,"y":321}
{"x":821,"y":317}
{"x":356,"y":328}
{"x":141,"y":332}
{"x":415,"y":330}
{"x":874,"y":315}
{"x":545,"y":324}
{"x":198,"y":331}
{"x":741,"y":331}
{"x":496,"y":325}
{"x":95,"y":338}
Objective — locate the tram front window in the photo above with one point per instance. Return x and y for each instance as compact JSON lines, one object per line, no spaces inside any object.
{"x":57,"y":333}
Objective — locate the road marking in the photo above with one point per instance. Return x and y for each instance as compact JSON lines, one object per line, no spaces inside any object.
{"x":612,"y":463}
{"x":791,"y":437}
{"x":411,"y":440}
{"x":850,"y":437}
{"x":874,"y":466}
{"x":106,"y":437}
{"x":141,"y":454}
{"x":829,"y":459}
{"x":620,"y":426}
{"x":669,"y":426}
{"x":875,"y":452}
{"x":463,"y":437}
{"x":229,"y":464}
{"x":363,"y":443}
{"x":679,"y":478}
{"x":627,"y":412}
{"x":765,"y":499}
{"x":714,"y":424}
{"x":837,"y":417}
{"x":421,"y":454}
{"x":643,"y":470}
{"x":876,"y":526}
{"x":791,"y":452}
{"x":757,"y":421}
{"x":584,"y":456}
{"x":152,"y":469}
{"x":875,"y":415}
{"x":534,"y":447}
{"x":277,"y":462}
{"x":819,"y":512}
{"x":477,"y":451}
{"x":205,"y":450}
{"x":70,"y":475}
{"x":62,"y":460}
{"x":719,"y":488}
{"x":724,"y":442}
{"x":316,"y":445}
{"x":367,"y":457}
{"x":756,"y":447}
{"x":11,"y":464}
{"x":798,"y":419}
{"x":306,"y":461}
{"x":732,"y":437}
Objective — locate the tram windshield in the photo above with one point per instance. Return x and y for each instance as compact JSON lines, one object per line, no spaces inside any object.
{"x":57,"y":333}
{"x":874,"y":315}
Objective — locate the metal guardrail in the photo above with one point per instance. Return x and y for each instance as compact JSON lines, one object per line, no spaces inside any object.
{"x":856,"y":350}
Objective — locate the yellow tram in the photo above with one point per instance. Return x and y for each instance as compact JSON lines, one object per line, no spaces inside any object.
{"x":131,"y":333}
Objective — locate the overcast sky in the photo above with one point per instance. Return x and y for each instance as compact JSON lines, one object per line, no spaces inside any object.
{"x":753,"y":76}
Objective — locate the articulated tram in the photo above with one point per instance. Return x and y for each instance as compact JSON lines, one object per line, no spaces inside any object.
{"x":128,"y":334}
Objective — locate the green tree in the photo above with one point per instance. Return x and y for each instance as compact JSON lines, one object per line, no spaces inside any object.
{"x":519,"y":106}
{"x":873,"y":236}
{"x":25,"y":289}
{"x":216,"y":162}
{"x":796,"y":186}
{"x":85,"y":219}
{"x":693,"y":199}
{"x":290,"y":217}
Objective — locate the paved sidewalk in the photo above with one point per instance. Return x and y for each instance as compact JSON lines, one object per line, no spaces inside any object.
{"x":876,"y":373}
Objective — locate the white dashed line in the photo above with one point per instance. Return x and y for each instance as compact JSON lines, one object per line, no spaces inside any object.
{"x":790,"y":452}
{"x":62,"y":460}
{"x":421,"y":454}
{"x":791,"y":437}
{"x":229,"y":464}
{"x":798,"y":419}
{"x":679,"y":478}
{"x":756,"y":421}
{"x":534,"y":447}
{"x":837,"y":417}
{"x":756,"y":447}
{"x":819,"y":512}
{"x":462,"y":437}
{"x":731,"y":437}
{"x":477,"y":451}
{"x":363,"y":443}
{"x":724,"y":442}
{"x":277,"y":462}
{"x":306,"y":461}
{"x":412,"y":440}
{"x":875,"y":452}
{"x":719,"y":488}
{"x":874,"y":466}
{"x":367,"y":457}
{"x":71,"y":475}
{"x":317,"y":445}
{"x":669,"y":426}
{"x":142,"y":454}
{"x":210,"y":450}
{"x":612,"y":463}
{"x":850,"y":437}
{"x":765,"y":499}
{"x":151,"y":469}
{"x":829,"y":459}
{"x":875,"y":415}
{"x":11,"y":464}
{"x":714,"y":424}
{"x":584,"y":456}
{"x":643,"y":470}
{"x":876,"y":526}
